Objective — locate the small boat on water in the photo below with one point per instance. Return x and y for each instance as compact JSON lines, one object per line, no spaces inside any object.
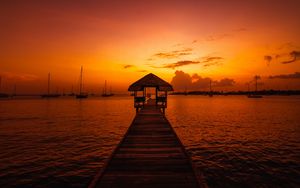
{"x":2,"y":95}
{"x":50,"y":95}
{"x":81,"y":94}
{"x":105,"y":94}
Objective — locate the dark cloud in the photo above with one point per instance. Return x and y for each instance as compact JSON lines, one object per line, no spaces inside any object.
{"x":205,"y":62}
{"x":224,"y":82}
{"x":295,"y":55}
{"x":296,"y":75}
{"x":174,"y":53}
{"x":268,"y":59}
{"x":128,"y":66}
{"x":183,"y":81}
{"x":200,"y":82}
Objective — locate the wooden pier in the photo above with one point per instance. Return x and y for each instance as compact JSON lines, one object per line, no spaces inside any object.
{"x":149,"y":155}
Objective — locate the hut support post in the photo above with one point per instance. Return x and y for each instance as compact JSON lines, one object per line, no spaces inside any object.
{"x":166,"y":95}
{"x":144,"y":93}
{"x":156,"y":96}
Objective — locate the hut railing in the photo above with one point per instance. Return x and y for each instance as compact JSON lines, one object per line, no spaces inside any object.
{"x":161,"y":101}
{"x":139,"y":102}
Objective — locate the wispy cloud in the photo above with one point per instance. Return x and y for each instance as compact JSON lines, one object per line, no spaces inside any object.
{"x":127,"y":66}
{"x":295,"y":75}
{"x":205,"y":62}
{"x":211,"y":38}
{"x":184,"y":44}
{"x":141,"y":71}
{"x":174,"y":53}
{"x":180,"y":63}
{"x":295,"y":55}
{"x":221,"y":36}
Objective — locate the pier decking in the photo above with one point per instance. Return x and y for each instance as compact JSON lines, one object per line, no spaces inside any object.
{"x":149,"y":155}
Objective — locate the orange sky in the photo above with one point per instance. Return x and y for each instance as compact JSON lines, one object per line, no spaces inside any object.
{"x":120,"y":41}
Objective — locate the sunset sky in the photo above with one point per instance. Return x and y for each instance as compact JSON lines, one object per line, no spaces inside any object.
{"x":120,"y":41}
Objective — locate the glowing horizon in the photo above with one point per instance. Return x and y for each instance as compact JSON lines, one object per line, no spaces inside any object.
{"x":122,"y":41}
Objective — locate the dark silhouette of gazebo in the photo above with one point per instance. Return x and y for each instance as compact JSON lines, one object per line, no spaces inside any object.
{"x":150,"y":81}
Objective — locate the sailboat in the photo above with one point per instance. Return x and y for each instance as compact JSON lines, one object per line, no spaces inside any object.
{"x":2,"y":95}
{"x":210,"y":91}
{"x":81,"y":94}
{"x":49,"y":95}
{"x":254,"y":95}
{"x":105,"y":94}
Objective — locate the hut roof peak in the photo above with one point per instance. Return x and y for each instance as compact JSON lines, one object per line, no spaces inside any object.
{"x":150,"y":80}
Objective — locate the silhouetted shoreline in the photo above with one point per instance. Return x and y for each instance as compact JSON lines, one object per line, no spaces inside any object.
{"x":262,"y":92}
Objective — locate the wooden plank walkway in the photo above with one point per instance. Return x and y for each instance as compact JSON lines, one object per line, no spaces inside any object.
{"x":149,"y":155}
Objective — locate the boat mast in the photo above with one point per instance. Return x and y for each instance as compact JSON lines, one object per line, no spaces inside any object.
{"x":210,"y":85}
{"x":105,"y":87}
{"x":0,"y":82}
{"x":48,"y":83}
{"x":15,"y":90}
{"x":256,"y":77}
{"x":80,"y":86}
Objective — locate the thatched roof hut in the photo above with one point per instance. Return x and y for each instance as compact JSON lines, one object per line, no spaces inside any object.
{"x":150,"y":80}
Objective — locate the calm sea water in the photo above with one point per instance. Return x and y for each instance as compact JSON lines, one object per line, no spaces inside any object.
{"x":241,"y":142}
{"x":234,"y":141}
